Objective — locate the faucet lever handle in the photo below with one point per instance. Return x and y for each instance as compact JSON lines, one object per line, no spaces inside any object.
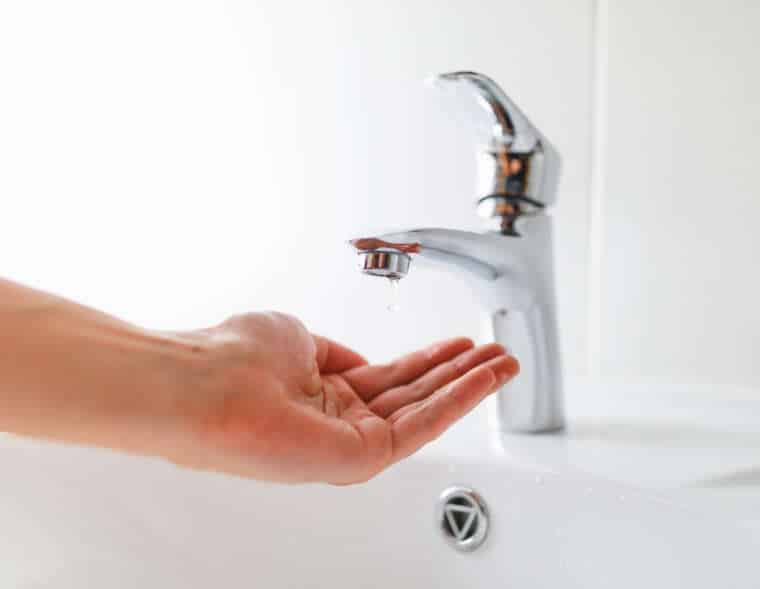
{"x":512,"y":127}
{"x":519,"y":168}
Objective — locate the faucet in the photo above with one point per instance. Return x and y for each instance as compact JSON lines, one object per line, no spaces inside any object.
{"x":509,"y":265}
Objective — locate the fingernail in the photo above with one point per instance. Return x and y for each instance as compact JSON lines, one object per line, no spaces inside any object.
{"x":315,"y":386}
{"x":435,"y":350}
{"x":501,"y":348}
{"x":506,"y":369}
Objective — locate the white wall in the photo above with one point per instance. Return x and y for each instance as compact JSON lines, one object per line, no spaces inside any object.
{"x":679,"y":194}
{"x":174,"y":162}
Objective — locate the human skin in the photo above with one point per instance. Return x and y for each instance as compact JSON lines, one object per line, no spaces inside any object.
{"x":256,"y":396}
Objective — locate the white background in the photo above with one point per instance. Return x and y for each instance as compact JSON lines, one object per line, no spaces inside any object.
{"x":175,"y":162}
{"x":680,"y":201}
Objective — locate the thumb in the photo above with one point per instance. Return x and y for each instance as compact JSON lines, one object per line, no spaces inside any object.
{"x":333,"y":358}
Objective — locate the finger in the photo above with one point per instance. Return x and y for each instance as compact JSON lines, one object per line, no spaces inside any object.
{"x":504,"y":364}
{"x":368,"y":381}
{"x":392,"y":400}
{"x":415,"y":425}
{"x":333,"y":357}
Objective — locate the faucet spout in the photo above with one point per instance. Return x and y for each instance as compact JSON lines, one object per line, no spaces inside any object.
{"x":512,"y":278}
{"x":456,"y":249}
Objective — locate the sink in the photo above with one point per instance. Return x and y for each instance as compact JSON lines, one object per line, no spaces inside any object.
{"x":646,"y":488}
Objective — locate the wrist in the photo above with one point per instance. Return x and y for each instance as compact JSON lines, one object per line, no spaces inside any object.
{"x":69,"y":373}
{"x":156,"y":409}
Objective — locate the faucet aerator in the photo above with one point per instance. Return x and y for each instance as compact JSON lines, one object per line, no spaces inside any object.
{"x":384,"y":263}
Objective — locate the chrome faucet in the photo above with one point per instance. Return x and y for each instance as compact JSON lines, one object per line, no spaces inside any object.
{"x":509,"y":266}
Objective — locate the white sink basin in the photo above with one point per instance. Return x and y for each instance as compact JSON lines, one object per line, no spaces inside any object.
{"x":662,"y":490}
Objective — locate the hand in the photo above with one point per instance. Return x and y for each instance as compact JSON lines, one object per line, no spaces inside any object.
{"x":282,"y":404}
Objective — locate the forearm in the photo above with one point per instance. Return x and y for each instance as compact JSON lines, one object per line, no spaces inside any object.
{"x":73,"y":374}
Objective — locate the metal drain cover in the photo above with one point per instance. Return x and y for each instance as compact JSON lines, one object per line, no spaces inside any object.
{"x":463,"y":518}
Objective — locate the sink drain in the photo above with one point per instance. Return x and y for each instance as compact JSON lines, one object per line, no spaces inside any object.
{"x":463,"y":518}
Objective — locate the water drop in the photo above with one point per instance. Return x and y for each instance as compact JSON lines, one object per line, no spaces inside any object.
{"x":394,"y":305}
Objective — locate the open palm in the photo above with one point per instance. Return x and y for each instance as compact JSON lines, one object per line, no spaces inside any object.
{"x":299,"y":407}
